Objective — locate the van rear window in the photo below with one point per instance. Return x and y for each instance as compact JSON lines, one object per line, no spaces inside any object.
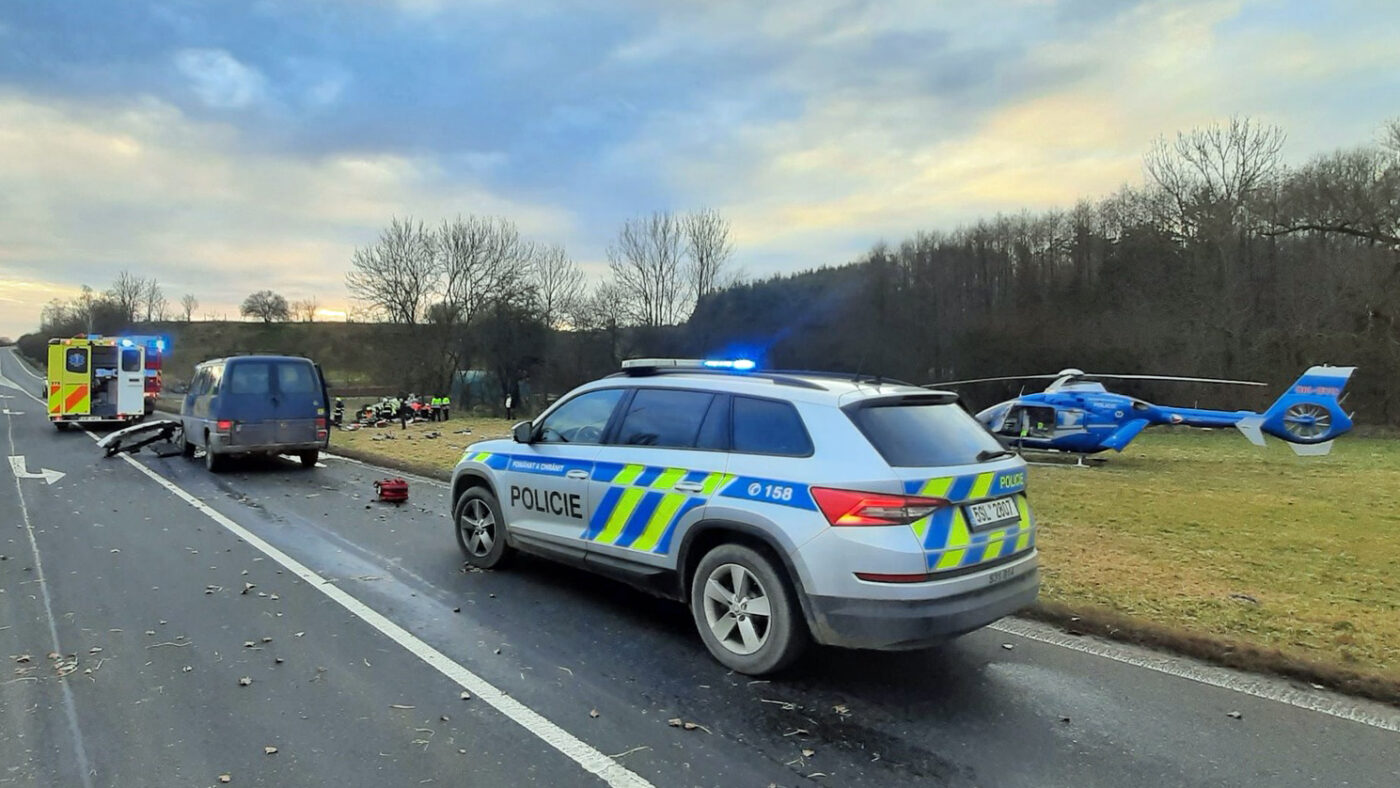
{"x":923,"y":435}
{"x":296,"y":377}
{"x":248,"y":377}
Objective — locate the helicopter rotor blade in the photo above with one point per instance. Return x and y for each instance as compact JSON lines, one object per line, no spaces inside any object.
{"x":1175,"y":378}
{"x":988,"y":380}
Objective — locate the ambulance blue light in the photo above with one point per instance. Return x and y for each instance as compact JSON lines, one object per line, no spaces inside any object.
{"x":128,"y":343}
{"x":160,"y":344}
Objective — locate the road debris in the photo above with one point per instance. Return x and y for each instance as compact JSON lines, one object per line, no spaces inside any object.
{"x":269,"y":750}
{"x":466,"y":695}
{"x":247,"y":587}
{"x":1234,"y":715}
{"x":245,"y":681}
{"x":225,"y":778}
{"x":401,"y":706}
{"x":625,"y":753}
{"x":593,"y":714}
{"x":1008,"y":646}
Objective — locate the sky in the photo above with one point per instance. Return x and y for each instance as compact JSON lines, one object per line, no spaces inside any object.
{"x":230,"y":146}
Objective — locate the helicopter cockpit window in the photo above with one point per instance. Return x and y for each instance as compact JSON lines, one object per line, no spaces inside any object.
{"x":1027,"y":421}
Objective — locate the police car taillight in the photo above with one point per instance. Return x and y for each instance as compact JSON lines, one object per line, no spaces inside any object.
{"x":850,"y":507}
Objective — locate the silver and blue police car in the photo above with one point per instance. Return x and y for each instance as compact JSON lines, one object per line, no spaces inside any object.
{"x":782,"y":507}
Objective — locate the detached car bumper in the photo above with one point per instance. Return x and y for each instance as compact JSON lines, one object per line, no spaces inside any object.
{"x":897,"y":624}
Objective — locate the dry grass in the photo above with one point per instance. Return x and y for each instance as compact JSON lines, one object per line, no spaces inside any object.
{"x":409,"y":445}
{"x":1204,"y":533}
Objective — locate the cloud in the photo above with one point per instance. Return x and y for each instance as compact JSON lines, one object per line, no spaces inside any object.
{"x":220,"y":142}
{"x":146,"y":187}
{"x":219,"y":79}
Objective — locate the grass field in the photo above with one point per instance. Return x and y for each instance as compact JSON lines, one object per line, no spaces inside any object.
{"x":1196,"y":531}
{"x":409,"y":445}
{"x":1205,"y":532}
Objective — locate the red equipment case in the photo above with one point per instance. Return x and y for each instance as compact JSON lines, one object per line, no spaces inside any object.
{"x":392,"y":490}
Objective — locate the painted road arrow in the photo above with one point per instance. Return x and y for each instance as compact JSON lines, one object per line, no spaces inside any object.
{"x":17,"y":465}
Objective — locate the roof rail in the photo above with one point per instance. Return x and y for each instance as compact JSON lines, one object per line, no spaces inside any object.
{"x":774,"y":377}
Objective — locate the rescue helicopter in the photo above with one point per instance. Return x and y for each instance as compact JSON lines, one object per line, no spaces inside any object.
{"x":1077,"y":414}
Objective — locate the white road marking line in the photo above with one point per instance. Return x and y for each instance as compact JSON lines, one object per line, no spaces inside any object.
{"x":69,"y":709}
{"x":24,"y":367}
{"x":592,"y":760}
{"x":405,"y":474}
{"x":1376,"y":715}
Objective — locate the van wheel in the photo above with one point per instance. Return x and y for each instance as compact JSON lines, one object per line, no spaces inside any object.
{"x":480,"y":529}
{"x":309,"y":458}
{"x":186,"y":448}
{"x":745,"y":612}
{"x":214,"y":463}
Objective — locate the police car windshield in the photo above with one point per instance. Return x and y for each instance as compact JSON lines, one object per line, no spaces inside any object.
{"x":920,"y":435}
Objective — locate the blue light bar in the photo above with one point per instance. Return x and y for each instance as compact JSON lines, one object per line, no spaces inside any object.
{"x":739,"y":364}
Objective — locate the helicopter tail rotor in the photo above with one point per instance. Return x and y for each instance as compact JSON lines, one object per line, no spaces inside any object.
{"x":1308,"y":415}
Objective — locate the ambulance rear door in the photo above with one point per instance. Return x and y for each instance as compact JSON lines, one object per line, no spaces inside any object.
{"x":131,"y":382}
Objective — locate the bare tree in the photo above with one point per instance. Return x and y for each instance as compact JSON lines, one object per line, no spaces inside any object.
{"x":265,"y":305}
{"x":189,"y":303}
{"x":127,"y":294}
{"x":153,"y":300}
{"x":1352,"y":193}
{"x":397,"y":274}
{"x":558,"y":284}
{"x":479,"y":258}
{"x":647,"y":261}
{"x":708,"y":251}
{"x":1210,"y":174}
{"x":305,"y":310}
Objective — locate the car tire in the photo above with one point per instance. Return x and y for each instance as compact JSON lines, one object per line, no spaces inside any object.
{"x":214,"y":463}
{"x":62,"y":426}
{"x":186,"y":448}
{"x":309,"y":458}
{"x":480,"y":529}
{"x":730,"y":621}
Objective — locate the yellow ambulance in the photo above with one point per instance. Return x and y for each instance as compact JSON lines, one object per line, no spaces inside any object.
{"x":95,"y":378}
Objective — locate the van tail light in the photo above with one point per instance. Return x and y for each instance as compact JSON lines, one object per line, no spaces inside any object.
{"x":320,"y":424}
{"x":223,"y":425}
{"x":321,"y":431}
{"x":850,"y":507}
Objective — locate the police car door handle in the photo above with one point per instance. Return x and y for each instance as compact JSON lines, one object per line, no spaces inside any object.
{"x":577,"y":474}
{"x":692,"y":487}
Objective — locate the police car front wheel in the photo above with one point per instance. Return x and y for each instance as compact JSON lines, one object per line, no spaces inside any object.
{"x":745,"y":612}
{"x":480,"y":530}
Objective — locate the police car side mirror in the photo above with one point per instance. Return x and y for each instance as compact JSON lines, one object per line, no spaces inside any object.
{"x":524,"y":432}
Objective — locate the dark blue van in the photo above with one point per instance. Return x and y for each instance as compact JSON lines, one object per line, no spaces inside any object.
{"x":266,"y":405}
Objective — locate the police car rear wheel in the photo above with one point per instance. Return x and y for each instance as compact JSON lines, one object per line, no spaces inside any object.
{"x":745,"y":612}
{"x":214,"y":463}
{"x":480,"y":530}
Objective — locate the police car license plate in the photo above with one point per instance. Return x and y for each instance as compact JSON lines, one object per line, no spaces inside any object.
{"x":989,"y":512}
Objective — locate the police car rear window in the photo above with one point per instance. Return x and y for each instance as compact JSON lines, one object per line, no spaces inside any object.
{"x":923,"y":435}
{"x":765,"y":426}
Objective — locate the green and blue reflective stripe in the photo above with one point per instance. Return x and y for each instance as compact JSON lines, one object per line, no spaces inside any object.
{"x":648,"y":532}
{"x":969,"y":486}
{"x":492,"y":460}
{"x":949,"y":542}
{"x":663,"y":545}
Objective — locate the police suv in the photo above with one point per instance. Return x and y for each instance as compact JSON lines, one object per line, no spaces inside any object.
{"x":783,"y":507}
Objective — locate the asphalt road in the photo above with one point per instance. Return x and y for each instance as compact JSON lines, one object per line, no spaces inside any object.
{"x":123,"y":582}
